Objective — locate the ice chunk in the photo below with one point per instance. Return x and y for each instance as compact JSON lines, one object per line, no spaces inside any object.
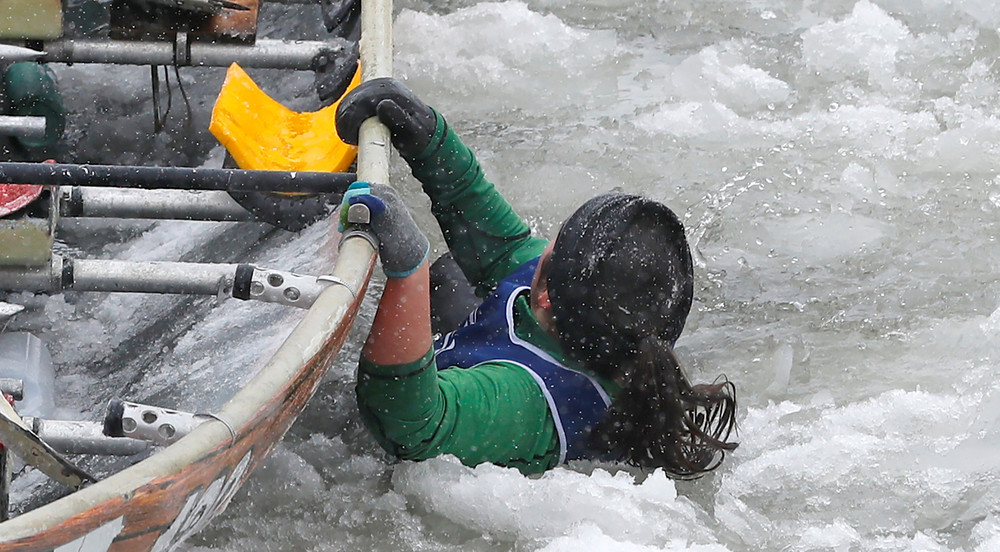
{"x":723,"y":76}
{"x":504,"y":503}
{"x":864,"y":44}
{"x":514,"y":51}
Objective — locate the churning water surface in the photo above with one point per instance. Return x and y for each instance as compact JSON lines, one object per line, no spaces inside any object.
{"x":835,"y":164}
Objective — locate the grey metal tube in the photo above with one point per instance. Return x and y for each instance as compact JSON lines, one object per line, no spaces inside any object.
{"x":274,"y":54}
{"x":150,"y":204}
{"x":243,"y":281}
{"x":151,"y":277}
{"x":83,"y":437}
{"x":24,"y":126}
{"x":264,"y":53}
{"x":123,"y":276}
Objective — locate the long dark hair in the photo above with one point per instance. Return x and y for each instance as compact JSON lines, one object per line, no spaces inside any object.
{"x":659,"y":419}
{"x":621,"y":283}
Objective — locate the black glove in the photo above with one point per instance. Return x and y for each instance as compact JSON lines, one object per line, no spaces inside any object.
{"x":334,"y":69}
{"x":411,"y":122}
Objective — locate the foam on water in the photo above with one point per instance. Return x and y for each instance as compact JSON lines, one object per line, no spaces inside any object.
{"x":835,"y":164}
{"x":507,"y":67}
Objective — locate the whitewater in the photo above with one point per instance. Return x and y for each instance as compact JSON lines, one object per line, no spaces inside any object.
{"x":835,"y":164}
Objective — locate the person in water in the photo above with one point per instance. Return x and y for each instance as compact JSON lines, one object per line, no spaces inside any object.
{"x":568,"y":356}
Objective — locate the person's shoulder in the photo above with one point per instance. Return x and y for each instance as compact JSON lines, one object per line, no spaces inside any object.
{"x":530,"y":249}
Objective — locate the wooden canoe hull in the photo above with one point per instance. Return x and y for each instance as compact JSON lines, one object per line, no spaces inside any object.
{"x":157,"y":503}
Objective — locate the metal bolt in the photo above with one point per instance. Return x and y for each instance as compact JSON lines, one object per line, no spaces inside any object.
{"x":292,"y":294}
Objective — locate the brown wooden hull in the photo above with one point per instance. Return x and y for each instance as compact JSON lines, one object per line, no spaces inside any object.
{"x":156,"y":503}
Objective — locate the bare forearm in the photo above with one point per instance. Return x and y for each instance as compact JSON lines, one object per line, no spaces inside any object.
{"x":401,"y":331}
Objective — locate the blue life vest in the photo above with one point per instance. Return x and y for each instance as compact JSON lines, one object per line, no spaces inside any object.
{"x":577,"y":402}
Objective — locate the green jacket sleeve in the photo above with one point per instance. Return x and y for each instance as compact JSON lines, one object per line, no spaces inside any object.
{"x":486,"y":236}
{"x":494,"y":413}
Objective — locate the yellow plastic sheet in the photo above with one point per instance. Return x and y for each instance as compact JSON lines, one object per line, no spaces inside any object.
{"x":262,"y":134}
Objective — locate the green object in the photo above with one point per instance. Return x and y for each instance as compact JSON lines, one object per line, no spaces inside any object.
{"x":24,"y":242}
{"x":31,"y":90}
{"x":417,"y":412}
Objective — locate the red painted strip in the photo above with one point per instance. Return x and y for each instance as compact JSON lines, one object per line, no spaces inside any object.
{"x":14,"y":197}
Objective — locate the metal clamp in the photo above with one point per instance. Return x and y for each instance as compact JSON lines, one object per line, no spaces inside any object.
{"x":337,"y":281}
{"x":182,"y":50}
{"x":288,"y":288}
{"x":359,"y":214}
{"x":161,"y":426}
{"x":220,"y":419}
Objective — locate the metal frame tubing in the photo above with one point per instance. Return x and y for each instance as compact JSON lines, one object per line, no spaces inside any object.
{"x":241,"y":281}
{"x":83,"y":437}
{"x":152,"y":277}
{"x":175,"y":178}
{"x":122,"y":276}
{"x":23,"y":126}
{"x":264,"y":53}
{"x":376,"y":61}
{"x":81,"y":201}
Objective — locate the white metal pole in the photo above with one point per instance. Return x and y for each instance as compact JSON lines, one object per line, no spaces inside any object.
{"x":376,"y":61}
{"x":23,"y":126}
{"x":151,"y":204}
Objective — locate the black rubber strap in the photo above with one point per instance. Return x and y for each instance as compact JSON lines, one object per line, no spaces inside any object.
{"x":66,"y":278}
{"x":113,"y":418}
{"x":241,"y":283}
{"x":74,"y":205}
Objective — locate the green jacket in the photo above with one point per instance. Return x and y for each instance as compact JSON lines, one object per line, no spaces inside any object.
{"x":494,"y":412}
